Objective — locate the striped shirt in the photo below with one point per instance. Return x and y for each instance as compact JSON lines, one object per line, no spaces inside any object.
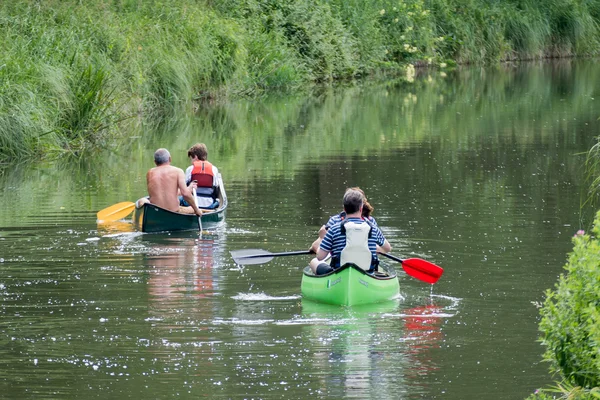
{"x":337,"y":218}
{"x":335,"y":242}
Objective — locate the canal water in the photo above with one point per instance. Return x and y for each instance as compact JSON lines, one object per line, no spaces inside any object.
{"x":480,"y":171}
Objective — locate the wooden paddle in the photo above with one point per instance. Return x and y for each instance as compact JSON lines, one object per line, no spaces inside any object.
{"x":197,"y":205}
{"x":418,"y":268}
{"x":116,"y":212}
{"x":258,"y":256}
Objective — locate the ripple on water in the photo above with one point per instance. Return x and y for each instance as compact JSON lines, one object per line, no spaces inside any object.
{"x":263,"y":297}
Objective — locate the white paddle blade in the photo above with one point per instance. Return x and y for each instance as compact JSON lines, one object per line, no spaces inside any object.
{"x":251,"y":256}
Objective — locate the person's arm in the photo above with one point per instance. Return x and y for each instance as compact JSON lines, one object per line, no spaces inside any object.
{"x":315,"y":245}
{"x":325,"y":247}
{"x":188,"y":174}
{"x":386,"y":248}
{"x":321,"y":254}
{"x":187,"y":194}
{"x":215,"y":177}
{"x":383,"y":246}
{"x":323,"y":231}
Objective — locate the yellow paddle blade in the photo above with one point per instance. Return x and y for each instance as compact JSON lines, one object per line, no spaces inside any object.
{"x":116,"y":212}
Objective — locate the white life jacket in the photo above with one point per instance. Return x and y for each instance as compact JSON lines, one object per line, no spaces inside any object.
{"x":357,"y":250}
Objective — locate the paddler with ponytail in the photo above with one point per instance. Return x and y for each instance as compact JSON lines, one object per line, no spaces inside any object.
{"x":367,"y":210}
{"x":352,"y":240}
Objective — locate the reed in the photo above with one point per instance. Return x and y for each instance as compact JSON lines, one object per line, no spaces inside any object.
{"x":591,"y":199}
{"x":72,"y":72}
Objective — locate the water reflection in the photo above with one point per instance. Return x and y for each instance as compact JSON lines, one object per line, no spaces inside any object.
{"x":176,"y":273}
{"x":181,"y":273}
{"x":114,"y":227}
{"x":479,"y":172}
{"x":356,"y":349}
{"x":423,"y":332}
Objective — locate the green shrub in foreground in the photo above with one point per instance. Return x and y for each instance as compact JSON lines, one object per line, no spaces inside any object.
{"x":571,"y":320}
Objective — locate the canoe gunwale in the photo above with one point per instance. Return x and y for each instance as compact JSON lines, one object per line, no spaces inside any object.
{"x":391,"y":273}
{"x":211,"y":212}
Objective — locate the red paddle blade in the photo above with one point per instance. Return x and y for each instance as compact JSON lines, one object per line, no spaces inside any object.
{"x":422,"y":270}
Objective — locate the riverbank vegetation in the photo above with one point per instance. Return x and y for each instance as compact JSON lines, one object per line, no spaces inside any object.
{"x":570,"y":316}
{"x":75,"y":75}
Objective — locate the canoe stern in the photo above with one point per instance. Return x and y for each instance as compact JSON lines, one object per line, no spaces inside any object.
{"x":348,"y":286}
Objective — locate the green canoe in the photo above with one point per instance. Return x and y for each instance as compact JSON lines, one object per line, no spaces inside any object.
{"x":152,"y":218}
{"x":350,"y":285}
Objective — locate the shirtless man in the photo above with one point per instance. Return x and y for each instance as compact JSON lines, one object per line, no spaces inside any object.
{"x":163,"y":182}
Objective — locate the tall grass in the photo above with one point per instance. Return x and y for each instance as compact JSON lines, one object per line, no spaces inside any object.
{"x":592,"y":167}
{"x":71,"y":71}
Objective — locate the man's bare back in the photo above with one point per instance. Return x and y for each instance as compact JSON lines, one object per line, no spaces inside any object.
{"x":163,"y":182}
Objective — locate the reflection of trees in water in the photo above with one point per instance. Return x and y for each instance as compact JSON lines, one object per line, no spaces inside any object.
{"x":507,"y":117}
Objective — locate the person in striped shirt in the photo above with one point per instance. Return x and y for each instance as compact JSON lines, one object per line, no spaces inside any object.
{"x":337,"y":240}
{"x":367,"y":210}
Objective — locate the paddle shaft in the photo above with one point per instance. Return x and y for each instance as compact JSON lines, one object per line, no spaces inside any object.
{"x":392,"y":257}
{"x":197,"y":205}
{"x":289,"y":253}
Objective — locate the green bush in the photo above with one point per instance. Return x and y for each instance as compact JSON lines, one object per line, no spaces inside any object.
{"x":571,"y":318}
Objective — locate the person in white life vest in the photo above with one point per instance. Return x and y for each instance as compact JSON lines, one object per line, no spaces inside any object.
{"x":367,"y":210}
{"x":352,"y":240}
{"x":205,"y":175}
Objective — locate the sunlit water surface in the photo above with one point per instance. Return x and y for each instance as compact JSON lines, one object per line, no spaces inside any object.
{"x":479,"y":171}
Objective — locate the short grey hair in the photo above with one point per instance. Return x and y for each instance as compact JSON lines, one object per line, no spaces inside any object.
{"x":353,"y":200}
{"x":161,"y":156}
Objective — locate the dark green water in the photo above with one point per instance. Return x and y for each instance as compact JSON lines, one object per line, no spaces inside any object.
{"x":480,"y":172}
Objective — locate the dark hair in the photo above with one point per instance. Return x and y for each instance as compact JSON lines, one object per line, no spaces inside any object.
{"x":199,"y":150}
{"x":353,"y":200}
{"x":367,"y":209}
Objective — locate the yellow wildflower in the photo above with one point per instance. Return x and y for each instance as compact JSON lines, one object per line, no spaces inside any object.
{"x":382,"y":11}
{"x":410,"y":72}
